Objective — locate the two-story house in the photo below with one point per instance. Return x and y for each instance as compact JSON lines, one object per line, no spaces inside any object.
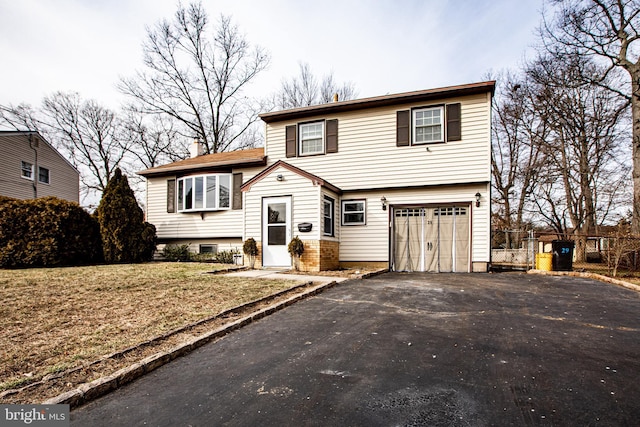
{"x":30,"y":168}
{"x":400,"y":181}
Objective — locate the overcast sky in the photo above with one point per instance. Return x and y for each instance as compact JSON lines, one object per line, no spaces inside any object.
{"x":382,"y":46}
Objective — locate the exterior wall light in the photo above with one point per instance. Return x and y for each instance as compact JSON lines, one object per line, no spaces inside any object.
{"x":478,"y":195}
{"x":280,"y":177}
{"x":383,"y":200}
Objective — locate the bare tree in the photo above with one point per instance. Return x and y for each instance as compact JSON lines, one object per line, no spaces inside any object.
{"x":305,"y":90}
{"x":607,"y":30}
{"x":515,"y":157}
{"x":19,"y":117}
{"x":583,"y":177}
{"x":88,"y":133}
{"x":154,"y":140}
{"x":197,"y":78}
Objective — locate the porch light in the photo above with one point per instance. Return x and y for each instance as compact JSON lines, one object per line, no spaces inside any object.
{"x":383,"y":200}
{"x":478,"y":195}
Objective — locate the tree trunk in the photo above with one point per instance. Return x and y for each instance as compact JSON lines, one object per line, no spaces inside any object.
{"x":635,"y":113}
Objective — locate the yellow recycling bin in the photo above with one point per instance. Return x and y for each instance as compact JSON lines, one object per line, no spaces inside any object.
{"x":543,"y":261}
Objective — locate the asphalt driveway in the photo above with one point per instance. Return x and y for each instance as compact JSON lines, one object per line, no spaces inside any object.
{"x":409,"y":349}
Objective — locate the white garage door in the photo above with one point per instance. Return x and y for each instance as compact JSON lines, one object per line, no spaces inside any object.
{"x":434,"y":239}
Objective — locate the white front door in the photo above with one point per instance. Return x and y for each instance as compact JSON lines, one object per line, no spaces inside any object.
{"x":276,"y":231}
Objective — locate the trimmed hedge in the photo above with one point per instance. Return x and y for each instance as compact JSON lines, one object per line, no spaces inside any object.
{"x":47,"y":232}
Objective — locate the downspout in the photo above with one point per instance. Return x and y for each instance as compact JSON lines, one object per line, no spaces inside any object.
{"x":35,"y":165}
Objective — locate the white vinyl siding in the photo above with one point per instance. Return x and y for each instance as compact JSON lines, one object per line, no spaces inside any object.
{"x":305,"y":201}
{"x":368,"y":150}
{"x":192,"y":225}
{"x":14,"y":149}
{"x":370,"y":242}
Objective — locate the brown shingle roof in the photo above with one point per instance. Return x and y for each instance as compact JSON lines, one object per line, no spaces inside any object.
{"x":380,"y":101}
{"x":246,"y":158}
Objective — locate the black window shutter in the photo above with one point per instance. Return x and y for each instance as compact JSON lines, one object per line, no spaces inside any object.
{"x":331,"y":129}
{"x":402,"y":128}
{"x":454,"y":132}
{"x":237,"y":194}
{"x":171,"y":196}
{"x":291,"y":145}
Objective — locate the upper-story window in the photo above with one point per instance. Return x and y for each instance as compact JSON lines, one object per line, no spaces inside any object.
{"x":432,"y":124}
{"x":43,"y":175}
{"x":428,"y":125}
{"x":27,"y":170}
{"x":311,"y":138}
{"x":204,"y":192}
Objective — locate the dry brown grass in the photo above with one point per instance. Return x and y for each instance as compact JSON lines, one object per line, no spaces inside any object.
{"x":55,"y":319}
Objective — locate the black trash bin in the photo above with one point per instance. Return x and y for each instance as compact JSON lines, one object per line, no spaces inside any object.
{"x":562,"y":259}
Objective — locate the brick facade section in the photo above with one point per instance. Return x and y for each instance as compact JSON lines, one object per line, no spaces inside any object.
{"x":329,"y":255}
{"x":318,"y":255}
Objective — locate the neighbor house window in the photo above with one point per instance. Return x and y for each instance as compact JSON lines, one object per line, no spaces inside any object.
{"x":428,"y":125}
{"x":27,"y":170}
{"x":43,"y":175}
{"x":354,"y":212}
{"x":311,"y":138}
{"x":328,"y":214}
{"x":204,"y":192}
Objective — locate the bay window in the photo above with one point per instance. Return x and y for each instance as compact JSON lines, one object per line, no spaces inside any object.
{"x":204,"y":192}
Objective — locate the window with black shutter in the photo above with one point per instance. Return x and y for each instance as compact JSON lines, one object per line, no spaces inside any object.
{"x":311,"y":138}
{"x":428,"y":125}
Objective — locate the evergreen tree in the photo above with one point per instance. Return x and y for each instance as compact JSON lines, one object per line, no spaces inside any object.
{"x":126,"y":237}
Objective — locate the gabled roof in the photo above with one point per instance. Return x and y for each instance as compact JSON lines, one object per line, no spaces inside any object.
{"x":313,"y":178}
{"x":38,"y":136}
{"x":239,"y":158}
{"x":381,"y":101}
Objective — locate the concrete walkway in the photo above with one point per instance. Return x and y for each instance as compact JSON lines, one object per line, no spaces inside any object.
{"x":278,"y":274}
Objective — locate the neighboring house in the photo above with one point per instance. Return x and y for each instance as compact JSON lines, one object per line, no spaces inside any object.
{"x":30,"y":168}
{"x":399,"y":181}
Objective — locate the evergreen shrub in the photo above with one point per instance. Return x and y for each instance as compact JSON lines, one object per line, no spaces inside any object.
{"x":47,"y":232}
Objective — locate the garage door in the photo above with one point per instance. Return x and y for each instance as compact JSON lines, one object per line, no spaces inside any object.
{"x":434,"y":239}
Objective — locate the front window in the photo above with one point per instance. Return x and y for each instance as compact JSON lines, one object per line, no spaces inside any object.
{"x":204,"y":192}
{"x":354,"y":212}
{"x":328,"y":215}
{"x":428,"y":125}
{"x":27,"y":170}
{"x":209,"y":249}
{"x":311,"y":138}
{"x":43,"y":175}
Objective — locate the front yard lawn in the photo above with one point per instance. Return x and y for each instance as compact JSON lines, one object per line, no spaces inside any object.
{"x":53,"y":319}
